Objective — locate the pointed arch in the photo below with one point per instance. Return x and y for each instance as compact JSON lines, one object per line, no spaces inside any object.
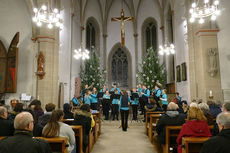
{"x":125,"y":65}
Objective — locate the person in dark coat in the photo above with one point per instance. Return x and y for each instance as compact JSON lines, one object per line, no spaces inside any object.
{"x":219,"y":143}
{"x":171,"y":117}
{"x":83,"y":117}
{"x":214,"y":108}
{"x":17,"y":109}
{"x":23,"y":141}
{"x":35,"y":105}
{"x":43,"y":120}
{"x":6,"y":126}
{"x":67,"y":111}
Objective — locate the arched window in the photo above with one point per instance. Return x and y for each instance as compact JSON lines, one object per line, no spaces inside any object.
{"x":149,"y":35}
{"x":120,"y":68}
{"x":151,"y":40}
{"x":92,"y":34}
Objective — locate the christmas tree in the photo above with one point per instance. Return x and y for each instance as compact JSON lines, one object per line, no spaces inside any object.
{"x":91,"y":74}
{"x":152,"y":71}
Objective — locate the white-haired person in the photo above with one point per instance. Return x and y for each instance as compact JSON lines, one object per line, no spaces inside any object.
{"x":219,"y":143}
{"x":171,"y":117}
{"x":205,"y":109}
{"x":23,"y":140}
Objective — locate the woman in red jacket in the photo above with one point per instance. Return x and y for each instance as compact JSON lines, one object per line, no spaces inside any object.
{"x":196,"y":126}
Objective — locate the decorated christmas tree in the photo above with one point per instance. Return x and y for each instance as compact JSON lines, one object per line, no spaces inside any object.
{"x":151,"y":71}
{"x":91,"y":73}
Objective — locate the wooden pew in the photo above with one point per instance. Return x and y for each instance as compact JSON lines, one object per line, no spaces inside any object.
{"x":58,"y":144}
{"x":98,"y":121}
{"x":152,"y":124}
{"x":192,"y":144}
{"x":95,"y":132}
{"x":147,"y":115}
{"x":171,"y":132}
{"x":78,"y":130}
{"x":68,"y":121}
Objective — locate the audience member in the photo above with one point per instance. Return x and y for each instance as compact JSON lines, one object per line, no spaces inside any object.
{"x":196,"y":126}
{"x":219,"y":143}
{"x":17,"y":109}
{"x":37,"y":131}
{"x":205,"y":109}
{"x":67,"y":111}
{"x":22,"y":141}
{"x":214,"y":108}
{"x":83,"y":117}
{"x":56,"y":128}
{"x":226,"y":107}
{"x":171,"y":117}
{"x":43,"y":120}
{"x":36,"y":106}
{"x":193,"y":104}
{"x":6,"y":126}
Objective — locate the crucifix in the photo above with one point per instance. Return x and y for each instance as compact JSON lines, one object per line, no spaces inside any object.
{"x":122,"y":18}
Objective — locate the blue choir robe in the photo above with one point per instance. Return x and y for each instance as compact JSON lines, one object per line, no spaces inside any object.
{"x":164,"y":100}
{"x":93,"y":98}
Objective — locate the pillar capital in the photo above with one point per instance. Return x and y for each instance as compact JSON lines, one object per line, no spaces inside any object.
{"x":207,"y":32}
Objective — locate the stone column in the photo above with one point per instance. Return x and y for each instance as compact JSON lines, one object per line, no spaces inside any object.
{"x":136,"y":56}
{"x":47,"y":88}
{"x":206,"y":41}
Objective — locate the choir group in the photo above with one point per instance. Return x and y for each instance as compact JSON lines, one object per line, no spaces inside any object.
{"x":138,"y":98}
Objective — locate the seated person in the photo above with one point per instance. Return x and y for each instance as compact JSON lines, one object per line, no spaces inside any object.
{"x":67,"y":111}
{"x":195,"y":126}
{"x":35,"y":105}
{"x":205,"y":109}
{"x":17,"y":109}
{"x":171,"y":117}
{"x":23,"y":141}
{"x":56,"y":128}
{"x":214,"y":108}
{"x":83,"y":117}
{"x":219,"y":143}
{"x":226,"y":107}
{"x":43,"y":120}
{"x":6,"y":126}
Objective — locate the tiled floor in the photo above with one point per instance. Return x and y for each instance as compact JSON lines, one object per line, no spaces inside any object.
{"x":114,"y":140}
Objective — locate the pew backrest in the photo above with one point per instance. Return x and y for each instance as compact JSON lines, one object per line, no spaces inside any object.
{"x":57,"y":144}
{"x":171,"y":132}
{"x":192,"y":144}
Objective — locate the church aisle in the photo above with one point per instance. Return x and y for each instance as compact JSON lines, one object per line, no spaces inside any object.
{"x":114,"y":140}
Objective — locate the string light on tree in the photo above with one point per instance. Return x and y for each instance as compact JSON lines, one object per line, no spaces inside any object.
{"x":201,"y":9}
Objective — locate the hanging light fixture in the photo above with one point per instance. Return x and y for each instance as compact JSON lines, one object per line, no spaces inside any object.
{"x":81,"y":53}
{"x":167,"y":49}
{"x":201,"y":9}
{"x":47,"y":15}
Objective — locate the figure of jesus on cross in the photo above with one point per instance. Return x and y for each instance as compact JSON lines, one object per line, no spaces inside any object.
{"x":122,"y":18}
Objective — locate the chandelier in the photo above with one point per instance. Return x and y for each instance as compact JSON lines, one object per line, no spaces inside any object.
{"x":167,"y":49}
{"x":81,"y":53}
{"x":47,"y":15}
{"x":201,"y":9}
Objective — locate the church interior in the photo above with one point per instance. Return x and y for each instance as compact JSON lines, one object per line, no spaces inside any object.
{"x":45,"y":58}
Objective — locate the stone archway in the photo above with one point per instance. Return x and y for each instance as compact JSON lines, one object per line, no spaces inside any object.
{"x":120,"y":67}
